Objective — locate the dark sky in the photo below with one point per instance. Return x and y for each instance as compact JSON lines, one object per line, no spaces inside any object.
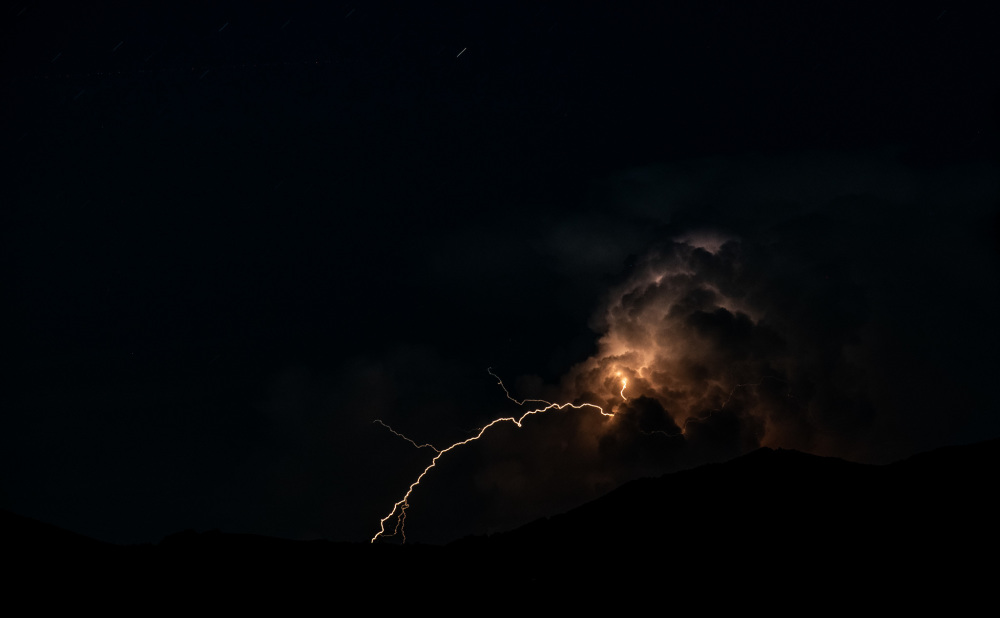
{"x":236,"y":233}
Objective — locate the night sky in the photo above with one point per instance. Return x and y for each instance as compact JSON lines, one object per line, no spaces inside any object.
{"x":234,"y":234}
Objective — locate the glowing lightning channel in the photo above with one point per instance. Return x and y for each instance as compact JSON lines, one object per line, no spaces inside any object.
{"x":403,"y":504}
{"x":754,"y":384}
{"x":431,"y":446}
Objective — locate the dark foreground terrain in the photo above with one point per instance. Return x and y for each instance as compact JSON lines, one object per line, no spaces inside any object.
{"x":773,"y":529}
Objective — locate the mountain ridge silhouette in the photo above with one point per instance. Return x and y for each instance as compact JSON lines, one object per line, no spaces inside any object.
{"x":813,"y":523}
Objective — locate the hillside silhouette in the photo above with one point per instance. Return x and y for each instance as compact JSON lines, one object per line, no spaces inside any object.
{"x":779,"y":521}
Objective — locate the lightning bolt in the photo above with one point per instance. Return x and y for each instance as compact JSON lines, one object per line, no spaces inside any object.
{"x":430,"y":446}
{"x":399,"y":508}
{"x":754,"y":384}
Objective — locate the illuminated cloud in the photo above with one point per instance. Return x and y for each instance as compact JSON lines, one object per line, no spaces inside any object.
{"x":690,"y":333}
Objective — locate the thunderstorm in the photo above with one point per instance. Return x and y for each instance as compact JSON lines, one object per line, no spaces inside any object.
{"x":399,"y":508}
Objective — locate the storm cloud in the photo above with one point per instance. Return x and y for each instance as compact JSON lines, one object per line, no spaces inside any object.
{"x":820,"y":303}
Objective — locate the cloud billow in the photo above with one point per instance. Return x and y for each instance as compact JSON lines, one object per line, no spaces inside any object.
{"x":795,"y":302}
